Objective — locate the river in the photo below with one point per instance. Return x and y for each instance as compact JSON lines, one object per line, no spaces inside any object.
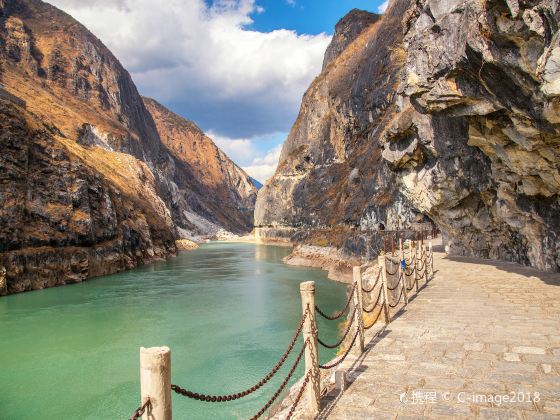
{"x":226,"y":310}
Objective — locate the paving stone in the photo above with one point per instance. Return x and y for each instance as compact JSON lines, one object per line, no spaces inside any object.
{"x":511,"y":357}
{"x":473,"y":346}
{"x":499,"y":414}
{"x":447,"y":411}
{"x":528,"y":350}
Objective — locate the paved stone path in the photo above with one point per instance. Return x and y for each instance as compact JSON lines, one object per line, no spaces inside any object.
{"x":479,"y":327}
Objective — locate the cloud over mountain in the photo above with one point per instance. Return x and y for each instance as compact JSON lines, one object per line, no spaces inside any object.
{"x":205,"y":62}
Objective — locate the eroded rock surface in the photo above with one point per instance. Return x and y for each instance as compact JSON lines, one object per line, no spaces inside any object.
{"x":442,"y":108}
{"x":482,"y":129}
{"x":61,"y":221}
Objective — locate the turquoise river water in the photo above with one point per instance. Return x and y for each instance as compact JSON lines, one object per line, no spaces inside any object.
{"x":227,"y":311}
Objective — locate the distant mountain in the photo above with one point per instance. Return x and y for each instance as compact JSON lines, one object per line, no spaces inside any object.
{"x":93,"y":181}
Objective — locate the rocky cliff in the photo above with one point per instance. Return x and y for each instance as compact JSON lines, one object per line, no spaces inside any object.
{"x":91,"y":182}
{"x":446,"y":109}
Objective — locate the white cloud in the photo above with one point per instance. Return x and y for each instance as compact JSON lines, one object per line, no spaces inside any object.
{"x":383,"y":6}
{"x":242,"y":151}
{"x":260,"y":165}
{"x":205,"y":62}
{"x":263,"y":168}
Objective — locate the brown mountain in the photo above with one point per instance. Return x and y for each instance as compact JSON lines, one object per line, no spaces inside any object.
{"x":440,"y":110}
{"x":231,"y":191}
{"x":88,"y":185}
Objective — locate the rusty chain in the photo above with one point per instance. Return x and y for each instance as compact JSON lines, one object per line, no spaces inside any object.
{"x":339,"y":361}
{"x":248,"y":391}
{"x":139,"y":412}
{"x":394,"y":288}
{"x":299,"y":395}
{"x":391,"y":273}
{"x":376,"y":319}
{"x":410,"y":283}
{"x":374,"y":283}
{"x":283,"y":384}
{"x":334,"y":346}
{"x":338,"y":315}
{"x":368,"y":311}
{"x":398,"y":301}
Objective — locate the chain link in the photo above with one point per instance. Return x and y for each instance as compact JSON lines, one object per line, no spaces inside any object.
{"x":335,"y":345}
{"x":299,"y":395}
{"x":391,"y":273}
{"x":338,"y":315}
{"x":248,"y":391}
{"x":283,"y":384}
{"x":374,"y":284}
{"x":339,"y":361}
{"x":398,"y":301}
{"x":368,"y":311}
{"x":376,"y":319}
{"x":140,"y":410}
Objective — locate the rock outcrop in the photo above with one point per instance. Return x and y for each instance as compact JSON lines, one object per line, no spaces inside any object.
{"x":61,"y":220}
{"x":90,"y":183}
{"x":449,"y":109}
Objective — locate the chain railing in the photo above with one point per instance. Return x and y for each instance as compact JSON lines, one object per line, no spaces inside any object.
{"x":414,"y":264}
{"x":139,"y":412}
{"x":339,"y":313}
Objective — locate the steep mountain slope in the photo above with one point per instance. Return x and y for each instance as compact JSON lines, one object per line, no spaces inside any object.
{"x":222,"y":191}
{"x":94,"y":132}
{"x":447,"y":109}
{"x":331,"y":171}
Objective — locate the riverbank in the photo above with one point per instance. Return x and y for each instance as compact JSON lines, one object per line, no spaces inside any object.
{"x":330,"y":259}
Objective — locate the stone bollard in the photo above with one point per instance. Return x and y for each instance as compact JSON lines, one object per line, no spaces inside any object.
{"x":425,"y":263}
{"x":381,"y":263}
{"x":431,"y":259}
{"x":155,"y":382}
{"x":3,"y":282}
{"x":402,"y":275}
{"x":415,"y":272}
{"x":340,"y":381}
{"x":307,"y":291}
{"x":358,"y":301}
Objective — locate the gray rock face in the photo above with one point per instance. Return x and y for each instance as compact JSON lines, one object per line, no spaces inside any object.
{"x":456,"y":117}
{"x":331,"y":170}
{"x":481,"y":106}
{"x":346,"y":31}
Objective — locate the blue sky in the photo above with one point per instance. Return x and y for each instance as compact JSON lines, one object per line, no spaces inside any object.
{"x":307,"y":16}
{"x":237,"y":68}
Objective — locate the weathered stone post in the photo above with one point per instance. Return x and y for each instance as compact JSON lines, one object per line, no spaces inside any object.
{"x":402,"y":274}
{"x":358,"y":316}
{"x":415,"y":263}
{"x":431,"y":259}
{"x":3,"y":282}
{"x":381,"y":263}
{"x":155,"y":382}
{"x":307,"y":291}
{"x":425,"y":263}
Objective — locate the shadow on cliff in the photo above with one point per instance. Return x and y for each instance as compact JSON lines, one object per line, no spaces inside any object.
{"x":509,"y":267}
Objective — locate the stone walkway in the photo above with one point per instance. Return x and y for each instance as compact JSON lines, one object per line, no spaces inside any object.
{"x":479,"y":331}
